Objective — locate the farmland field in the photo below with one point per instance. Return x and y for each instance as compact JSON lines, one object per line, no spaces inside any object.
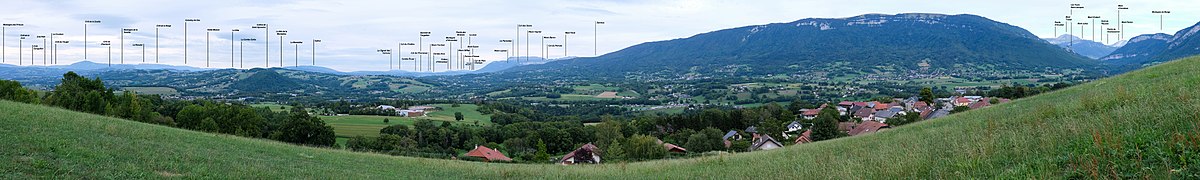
{"x":152,"y":90}
{"x":369,"y":125}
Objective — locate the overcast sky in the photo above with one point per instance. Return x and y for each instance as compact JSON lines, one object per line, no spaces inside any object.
{"x":352,"y":30}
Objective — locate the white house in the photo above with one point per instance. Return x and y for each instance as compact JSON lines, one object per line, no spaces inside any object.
{"x":765,"y":143}
{"x":794,"y":126}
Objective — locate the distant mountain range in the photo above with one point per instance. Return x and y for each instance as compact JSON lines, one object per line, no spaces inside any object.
{"x":88,"y":66}
{"x":1091,"y":49}
{"x":864,"y":43}
{"x":1156,"y":48}
{"x":490,"y":67}
{"x":231,"y":83}
{"x":1140,"y":49}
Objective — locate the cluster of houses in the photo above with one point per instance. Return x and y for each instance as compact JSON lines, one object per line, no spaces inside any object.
{"x":872,"y":115}
{"x":881,"y":112}
{"x":585,"y":154}
{"x":411,"y":111}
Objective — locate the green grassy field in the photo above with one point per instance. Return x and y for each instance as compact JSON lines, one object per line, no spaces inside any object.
{"x":595,"y":87}
{"x":1141,"y":125}
{"x":368,"y":125}
{"x":674,"y":110}
{"x":273,"y":106}
{"x":152,"y":90}
{"x":567,"y":97}
{"x":468,"y":110}
{"x":364,"y":125}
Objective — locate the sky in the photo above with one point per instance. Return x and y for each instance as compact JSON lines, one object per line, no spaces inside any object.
{"x":353,"y":30}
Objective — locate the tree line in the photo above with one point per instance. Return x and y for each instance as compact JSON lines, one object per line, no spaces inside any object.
{"x":82,"y":94}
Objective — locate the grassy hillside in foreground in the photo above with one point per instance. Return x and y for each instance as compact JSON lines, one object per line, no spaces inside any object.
{"x":1145,"y":124}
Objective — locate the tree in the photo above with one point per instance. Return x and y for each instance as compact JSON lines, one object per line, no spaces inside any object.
{"x":458,"y":116}
{"x":774,"y":119}
{"x":208,"y":125}
{"x":386,"y":120}
{"x":910,"y":117}
{"x":81,"y":94}
{"x":615,"y":151}
{"x":958,"y":109}
{"x":360,"y":143}
{"x":394,"y":144}
{"x":302,"y":128}
{"x":190,"y":117}
{"x":739,"y":146}
{"x":13,"y":91}
{"x":927,"y":95}
{"x":705,"y":140}
{"x":541,"y":155}
{"x":797,"y":105}
{"x":608,"y":131}
{"x":825,"y":125}
{"x":883,"y":99}
{"x":398,"y":129}
{"x":642,"y":147}
{"x":519,"y":147}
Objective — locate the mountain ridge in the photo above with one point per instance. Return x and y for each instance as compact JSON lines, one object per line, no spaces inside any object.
{"x":904,"y":38}
{"x":1150,"y":49}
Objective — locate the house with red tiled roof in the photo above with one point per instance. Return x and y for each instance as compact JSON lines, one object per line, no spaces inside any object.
{"x":846,"y":104}
{"x":812,"y":113}
{"x":673,"y":148}
{"x":980,"y":104}
{"x":846,"y":126}
{"x":882,"y":106}
{"x":925,"y":113}
{"x":920,"y":105}
{"x":868,"y":127}
{"x":962,"y":101}
{"x":487,"y":154}
{"x":587,"y":153}
{"x":805,"y":137}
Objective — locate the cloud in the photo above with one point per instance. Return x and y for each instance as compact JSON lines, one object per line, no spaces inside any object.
{"x":108,"y":21}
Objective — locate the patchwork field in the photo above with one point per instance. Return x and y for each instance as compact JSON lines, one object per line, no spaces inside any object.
{"x":152,"y":90}
{"x":369,"y":125}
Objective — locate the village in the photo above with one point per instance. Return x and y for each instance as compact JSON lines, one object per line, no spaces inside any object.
{"x":865,"y":118}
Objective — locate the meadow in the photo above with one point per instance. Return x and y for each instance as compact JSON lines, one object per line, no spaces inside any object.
{"x":369,"y":125}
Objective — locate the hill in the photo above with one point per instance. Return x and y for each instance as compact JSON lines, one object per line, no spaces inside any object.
{"x":262,"y":81}
{"x":1138,"y":125}
{"x":233,"y":83}
{"x":1156,"y":48}
{"x":1091,"y":49}
{"x":895,"y":43}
